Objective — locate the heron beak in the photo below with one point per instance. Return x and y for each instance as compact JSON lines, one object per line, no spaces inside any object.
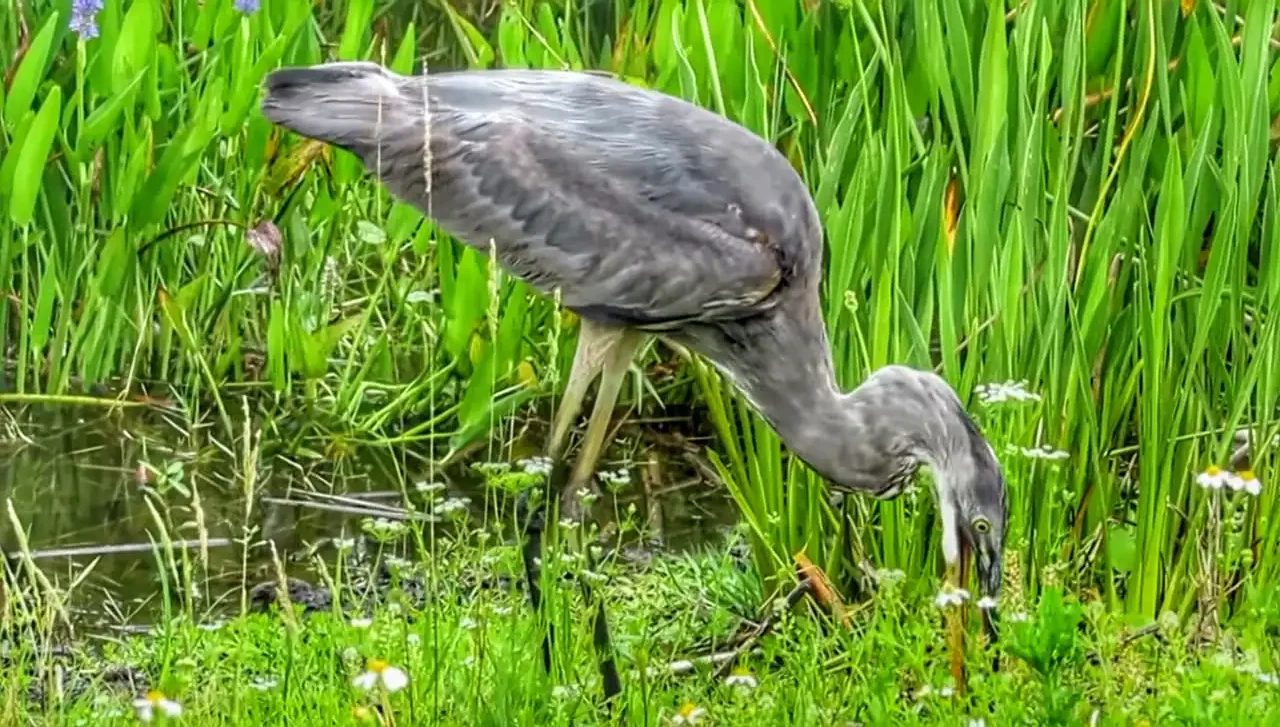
{"x":990,"y":576}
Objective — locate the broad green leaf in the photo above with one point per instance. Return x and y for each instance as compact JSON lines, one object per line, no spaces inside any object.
{"x":104,"y":118}
{"x":47,"y":294}
{"x":359,"y":13}
{"x":26,"y":80}
{"x":29,"y":172}
{"x":402,"y":63}
{"x":136,"y":43}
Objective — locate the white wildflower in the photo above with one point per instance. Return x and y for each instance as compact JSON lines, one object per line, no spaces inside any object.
{"x":425,"y":486}
{"x":1008,"y":391}
{"x":987,"y":603}
{"x":1245,"y":480}
{"x":153,"y":701}
{"x":451,"y":505}
{"x":947,"y":692}
{"x":391,"y":678}
{"x":536,"y":466}
{"x":688,"y":714}
{"x":951,"y":596}
{"x":616,"y":479}
{"x":344,"y":543}
{"x":361,"y":623}
{"x":741,"y":679}
{"x":1213,"y":478}
{"x":1043,"y":451}
{"x":384,"y":529}
{"x":1017,"y":617}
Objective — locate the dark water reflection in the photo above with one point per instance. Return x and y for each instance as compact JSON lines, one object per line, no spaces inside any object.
{"x":73,"y":477}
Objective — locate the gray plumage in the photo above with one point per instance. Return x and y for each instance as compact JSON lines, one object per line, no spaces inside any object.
{"x":653,"y":216}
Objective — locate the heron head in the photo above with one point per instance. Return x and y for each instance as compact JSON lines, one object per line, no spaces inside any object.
{"x":978,"y":509}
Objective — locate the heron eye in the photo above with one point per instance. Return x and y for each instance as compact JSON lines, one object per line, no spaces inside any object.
{"x":981,"y":525}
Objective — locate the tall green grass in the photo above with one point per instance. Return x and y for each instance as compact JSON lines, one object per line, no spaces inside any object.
{"x":1079,"y":194}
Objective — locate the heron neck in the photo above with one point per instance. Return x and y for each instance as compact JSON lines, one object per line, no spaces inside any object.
{"x":782,"y":364}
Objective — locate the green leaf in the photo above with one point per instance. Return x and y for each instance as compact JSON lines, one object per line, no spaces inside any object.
{"x":1200,"y":80}
{"x":1122,"y":549}
{"x":26,"y":80}
{"x":40,"y":322}
{"x":32,"y":158}
{"x":136,"y":44}
{"x":370,"y":233}
{"x":359,"y":13}
{"x":103,"y":119}
{"x":115,"y":264}
{"x":9,"y":166}
{"x":402,"y":63}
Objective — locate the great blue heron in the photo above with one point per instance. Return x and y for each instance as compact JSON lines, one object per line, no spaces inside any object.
{"x":651,"y":216}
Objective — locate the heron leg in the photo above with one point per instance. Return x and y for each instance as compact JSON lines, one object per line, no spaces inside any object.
{"x":595,"y":343}
{"x":615,"y":371}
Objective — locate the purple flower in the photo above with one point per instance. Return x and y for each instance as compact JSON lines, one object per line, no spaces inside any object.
{"x":84,"y":20}
{"x":248,"y":7}
{"x":84,"y":26}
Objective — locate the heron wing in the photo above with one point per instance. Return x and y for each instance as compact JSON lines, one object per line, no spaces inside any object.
{"x":639,"y":208}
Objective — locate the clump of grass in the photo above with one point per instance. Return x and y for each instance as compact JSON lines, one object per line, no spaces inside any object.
{"x":470,"y":654}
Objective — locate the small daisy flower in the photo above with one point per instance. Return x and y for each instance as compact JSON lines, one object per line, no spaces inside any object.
{"x":153,"y":701}
{"x":1213,"y":478}
{"x":1043,"y":451}
{"x":688,"y":714}
{"x":741,"y":678}
{"x":951,"y":596}
{"x":1245,"y":480}
{"x":986,"y":603}
{"x":999,"y":393}
{"x":391,"y":678}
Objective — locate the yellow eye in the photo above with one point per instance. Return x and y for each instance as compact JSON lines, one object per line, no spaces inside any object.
{"x":981,"y":525}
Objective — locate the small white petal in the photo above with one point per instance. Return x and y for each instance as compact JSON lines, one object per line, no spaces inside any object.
{"x":394,"y":679}
{"x":1253,"y":487}
{"x":144,"y":708}
{"x":170,"y":707}
{"x":987,"y":602}
{"x":362,"y":623}
{"x":366,"y":681}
